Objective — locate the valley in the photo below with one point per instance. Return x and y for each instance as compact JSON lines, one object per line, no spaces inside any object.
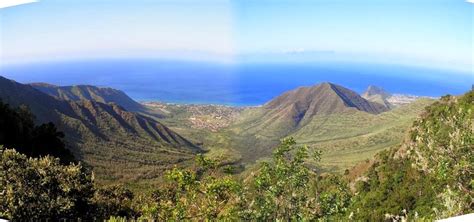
{"x":133,"y":143}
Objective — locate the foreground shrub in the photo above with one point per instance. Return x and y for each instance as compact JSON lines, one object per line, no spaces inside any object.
{"x":42,"y":188}
{"x":113,"y":200}
{"x":282,"y":189}
{"x":198,"y":194}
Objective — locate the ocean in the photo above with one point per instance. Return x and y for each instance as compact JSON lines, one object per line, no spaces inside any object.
{"x":238,"y":84}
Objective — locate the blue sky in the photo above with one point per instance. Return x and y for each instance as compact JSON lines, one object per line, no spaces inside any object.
{"x":435,"y":33}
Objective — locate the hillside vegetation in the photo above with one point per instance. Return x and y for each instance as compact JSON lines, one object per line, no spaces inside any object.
{"x":431,"y":175}
{"x":347,"y":139}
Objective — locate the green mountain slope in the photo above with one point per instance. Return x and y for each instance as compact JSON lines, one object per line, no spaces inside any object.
{"x":87,"y":92}
{"x":296,"y":108}
{"x":431,"y":175}
{"x":118,"y":144}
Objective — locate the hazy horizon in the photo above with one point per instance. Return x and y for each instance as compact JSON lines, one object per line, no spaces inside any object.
{"x":435,"y":34}
{"x":240,"y":52}
{"x":243,"y":84}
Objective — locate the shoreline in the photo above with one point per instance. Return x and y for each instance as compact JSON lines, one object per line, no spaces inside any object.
{"x":230,"y":105}
{"x":151,"y":102}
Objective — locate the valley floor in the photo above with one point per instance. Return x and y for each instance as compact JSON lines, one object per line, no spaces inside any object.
{"x":345,"y":139}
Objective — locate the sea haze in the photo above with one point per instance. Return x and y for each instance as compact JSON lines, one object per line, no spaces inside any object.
{"x":235,"y":83}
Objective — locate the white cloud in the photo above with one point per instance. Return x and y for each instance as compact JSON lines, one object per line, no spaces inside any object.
{"x":470,"y":1}
{"x":10,"y":3}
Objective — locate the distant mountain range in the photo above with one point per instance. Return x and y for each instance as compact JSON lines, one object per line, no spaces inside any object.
{"x":114,"y":141}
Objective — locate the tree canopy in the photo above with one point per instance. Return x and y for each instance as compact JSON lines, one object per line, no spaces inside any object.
{"x":18,"y":130}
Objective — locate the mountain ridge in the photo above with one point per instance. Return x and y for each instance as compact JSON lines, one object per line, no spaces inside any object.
{"x":307,"y":96}
{"x":295,"y":108}
{"x":89,"y":92}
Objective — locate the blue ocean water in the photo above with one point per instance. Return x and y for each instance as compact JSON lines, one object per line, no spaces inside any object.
{"x":235,"y":84}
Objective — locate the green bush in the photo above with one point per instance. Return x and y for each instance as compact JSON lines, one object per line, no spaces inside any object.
{"x":42,"y":188}
{"x":113,"y":200}
{"x":281,"y":189}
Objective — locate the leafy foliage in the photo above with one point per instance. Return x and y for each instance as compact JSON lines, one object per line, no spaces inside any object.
{"x":280,"y":189}
{"x":334,"y":195}
{"x":42,"y":188}
{"x":113,"y":200}
{"x":283,"y":189}
{"x":197,"y":194}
